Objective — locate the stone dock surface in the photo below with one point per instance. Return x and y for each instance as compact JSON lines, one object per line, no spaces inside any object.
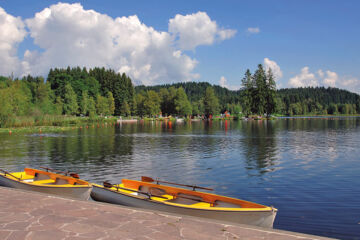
{"x":31,"y":215}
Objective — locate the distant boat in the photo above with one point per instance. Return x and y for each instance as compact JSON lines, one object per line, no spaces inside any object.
{"x":46,"y":182}
{"x":179,"y":120}
{"x":144,"y":194}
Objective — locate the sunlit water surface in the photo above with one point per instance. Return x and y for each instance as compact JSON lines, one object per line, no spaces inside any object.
{"x":308,"y":168}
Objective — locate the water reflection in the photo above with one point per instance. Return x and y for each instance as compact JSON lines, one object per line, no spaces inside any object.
{"x":302,"y":166}
{"x":259,"y":146}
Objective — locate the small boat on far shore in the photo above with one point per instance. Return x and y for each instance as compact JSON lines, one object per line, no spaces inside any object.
{"x":154,"y":196}
{"x":47,"y":182}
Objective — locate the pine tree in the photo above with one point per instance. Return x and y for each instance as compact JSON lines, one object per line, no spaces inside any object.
{"x":259,"y":95}
{"x":248,"y":89}
{"x":270,"y":93}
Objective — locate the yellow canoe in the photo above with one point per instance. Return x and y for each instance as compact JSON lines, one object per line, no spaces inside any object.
{"x":46,"y":182}
{"x":143,"y":194}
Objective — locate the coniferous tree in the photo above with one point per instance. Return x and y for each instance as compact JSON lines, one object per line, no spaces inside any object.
{"x":259,"y":93}
{"x":247,"y":92}
{"x":270,"y":93}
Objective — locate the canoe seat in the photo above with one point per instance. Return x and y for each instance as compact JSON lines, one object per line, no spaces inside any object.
{"x":41,"y":176}
{"x":143,"y":189}
{"x":157,"y":191}
{"x":226,"y":204}
{"x":60,"y":181}
{"x":45,"y":181}
{"x":186,"y":199}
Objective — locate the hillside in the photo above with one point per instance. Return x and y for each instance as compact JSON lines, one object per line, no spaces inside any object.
{"x":316,"y":100}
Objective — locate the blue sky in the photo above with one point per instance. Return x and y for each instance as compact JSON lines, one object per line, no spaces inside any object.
{"x":308,"y":43}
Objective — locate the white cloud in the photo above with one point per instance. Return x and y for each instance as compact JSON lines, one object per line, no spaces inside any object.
{"x":226,"y":33}
{"x":275,"y":68}
{"x":326,"y":79}
{"x":320,"y":73}
{"x":223,"y":83}
{"x":330,"y":79}
{"x":11,"y":34}
{"x":304,"y":79}
{"x":252,"y":30}
{"x":196,"y":29}
{"x":350,"y":83}
{"x":69,"y":35}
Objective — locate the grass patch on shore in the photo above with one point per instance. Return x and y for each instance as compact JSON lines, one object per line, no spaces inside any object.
{"x":51,"y":123}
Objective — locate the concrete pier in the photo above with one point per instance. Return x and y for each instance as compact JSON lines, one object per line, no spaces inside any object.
{"x":36,"y":216}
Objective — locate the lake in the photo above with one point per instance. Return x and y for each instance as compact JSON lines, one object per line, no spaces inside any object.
{"x":308,"y":168}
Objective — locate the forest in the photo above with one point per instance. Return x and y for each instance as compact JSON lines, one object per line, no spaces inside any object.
{"x":104,"y":92}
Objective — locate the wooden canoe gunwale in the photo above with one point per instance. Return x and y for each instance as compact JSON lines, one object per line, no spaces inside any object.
{"x":210,"y":198}
{"x":72,"y":182}
{"x":49,"y":186}
{"x":181,"y":205}
{"x":207,"y":197}
{"x":257,"y":217}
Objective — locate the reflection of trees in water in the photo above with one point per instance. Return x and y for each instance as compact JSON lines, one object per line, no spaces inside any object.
{"x":98,"y":146}
{"x":317,"y":124}
{"x":259,"y":146}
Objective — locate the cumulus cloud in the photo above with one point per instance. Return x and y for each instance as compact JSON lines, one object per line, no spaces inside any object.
{"x":11,"y":34}
{"x":73,"y":36}
{"x":275,"y":68}
{"x":327,"y":79}
{"x":252,"y":30}
{"x":196,"y":29}
{"x":223,"y":83}
{"x":304,"y":79}
{"x":69,"y":35}
{"x":330,"y":79}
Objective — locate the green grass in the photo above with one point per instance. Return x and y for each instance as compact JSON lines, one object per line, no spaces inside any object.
{"x":51,"y":123}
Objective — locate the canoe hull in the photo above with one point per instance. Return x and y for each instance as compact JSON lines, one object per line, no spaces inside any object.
{"x":82,"y":193}
{"x":257,"y":218}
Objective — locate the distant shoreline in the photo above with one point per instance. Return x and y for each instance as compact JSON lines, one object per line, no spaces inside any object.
{"x":85,"y":123}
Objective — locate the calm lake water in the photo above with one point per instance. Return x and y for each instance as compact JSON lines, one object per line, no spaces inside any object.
{"x":308,"y":168}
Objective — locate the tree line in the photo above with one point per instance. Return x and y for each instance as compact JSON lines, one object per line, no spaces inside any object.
{"x":102,"y":92}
